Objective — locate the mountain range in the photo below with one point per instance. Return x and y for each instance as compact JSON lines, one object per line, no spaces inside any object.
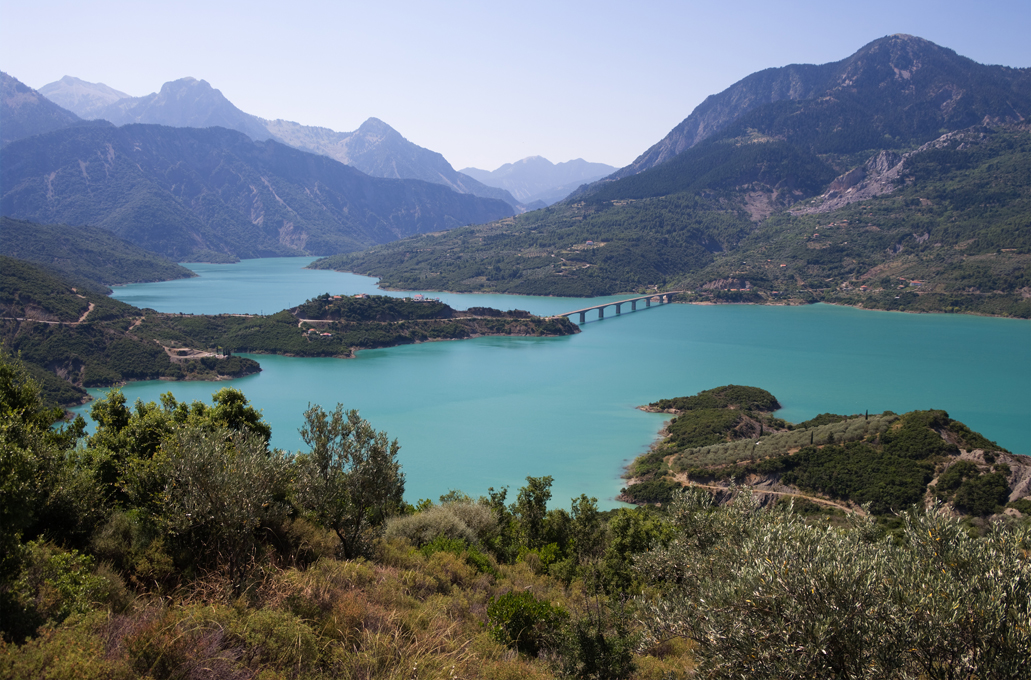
{"x":537,"y":180}
{"x":374,"y":148}
{"x":213,"y":193}
{"x":842,"y":182}
{"x":926,"y":149}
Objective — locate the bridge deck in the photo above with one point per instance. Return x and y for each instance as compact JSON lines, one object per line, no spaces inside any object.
{"x":619,"y":302}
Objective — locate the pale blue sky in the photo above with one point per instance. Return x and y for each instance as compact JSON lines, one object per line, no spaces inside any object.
{"x":483,"y":83}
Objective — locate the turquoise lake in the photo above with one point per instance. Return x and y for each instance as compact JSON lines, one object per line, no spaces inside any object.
{"x":490,"y":411}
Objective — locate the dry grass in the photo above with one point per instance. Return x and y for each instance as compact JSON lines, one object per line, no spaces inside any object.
{"x":403,"y":616}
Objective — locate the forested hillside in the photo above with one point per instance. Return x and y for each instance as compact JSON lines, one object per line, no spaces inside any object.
{"x":90,"y":255}
{"x":882,"y":462}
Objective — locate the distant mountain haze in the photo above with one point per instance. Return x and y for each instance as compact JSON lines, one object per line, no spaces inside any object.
{"x":375,"y":148}
{"x":213,"y":193}
{"x":82,"y":98}
{"x":537,"y":179}
{"x":24,"y":112}
{"x":379,"y":150}
{"x":186,"y":102}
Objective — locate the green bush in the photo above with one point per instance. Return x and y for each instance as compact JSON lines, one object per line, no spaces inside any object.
{"x":983,"y":495}
{"x":652,"y":491}
{"x":728,"y":396}
{"x":460,"y":548}
{"x":524,"y":623}
{"x":917,"y":436}
{"x":55,"y":584}
{"x":473,"y":523}
{"x":599,"y":646}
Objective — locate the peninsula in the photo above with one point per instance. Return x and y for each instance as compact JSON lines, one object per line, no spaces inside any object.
{"x":72,"y":338}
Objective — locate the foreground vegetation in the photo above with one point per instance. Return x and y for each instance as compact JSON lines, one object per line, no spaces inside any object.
{"x":174,"y":543}
{"x":76,"y":338}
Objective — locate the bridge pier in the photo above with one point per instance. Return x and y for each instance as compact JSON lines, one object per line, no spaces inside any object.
{"x":601,"y":312}
{"x":583,"y":317}
{"x":618,"y":312}
{"x":647,"y":302}
{"x":633,"y":305}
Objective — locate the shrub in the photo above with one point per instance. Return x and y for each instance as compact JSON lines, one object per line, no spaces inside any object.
{"x":984,"y":494}
{"x":524,"y":623}
{"x":460,"y":548}
{"x":766,"y":594}
{"x":54,"y":584}
{"x":599,"y":646}
{"x":350,"y":482}
{"x":472,"y":523}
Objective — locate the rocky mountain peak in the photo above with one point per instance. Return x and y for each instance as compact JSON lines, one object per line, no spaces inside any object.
{"x":374,"y":128}
{"x":910,"y":87}
{"x":81,"y":97}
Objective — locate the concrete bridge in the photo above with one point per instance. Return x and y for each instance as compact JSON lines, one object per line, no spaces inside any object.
{"x":662,"y":298}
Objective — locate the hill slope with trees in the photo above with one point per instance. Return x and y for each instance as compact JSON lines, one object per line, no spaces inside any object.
{"x":923,"y":152}
{"x":884,"y":462}
{"x":87,"y":254}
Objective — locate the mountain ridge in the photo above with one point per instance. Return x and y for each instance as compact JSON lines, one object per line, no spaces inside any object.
{"x":190,"y":193}
{"x":375,"y":148}
{"x":25,"y":112}
{"x":737,"y":216}
{"x":803,"y":81}
{"x":81,"y":97}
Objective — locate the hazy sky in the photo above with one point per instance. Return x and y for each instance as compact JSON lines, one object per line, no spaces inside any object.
{"x":483,"y":83}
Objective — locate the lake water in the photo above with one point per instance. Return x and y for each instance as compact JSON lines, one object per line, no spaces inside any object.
{"x":489,"y":412}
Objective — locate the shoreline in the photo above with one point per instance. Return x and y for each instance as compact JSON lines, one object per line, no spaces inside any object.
{"x":353,"y":355}
{"x":701,"y":303}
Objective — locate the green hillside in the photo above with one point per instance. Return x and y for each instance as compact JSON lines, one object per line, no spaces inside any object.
{"x":74,"y":338}
{"x":87,"y":254}
{"x":896,"y":179}
{"x":886,"y":460}
{"x":173,"y":541}
{"x":956,"y":223}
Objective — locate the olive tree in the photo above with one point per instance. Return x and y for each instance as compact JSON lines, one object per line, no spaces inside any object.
{"x":531,"y":507}
{"x":350,"y":481}
{"x":767,"y":594}
{"x":222,"y":487}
